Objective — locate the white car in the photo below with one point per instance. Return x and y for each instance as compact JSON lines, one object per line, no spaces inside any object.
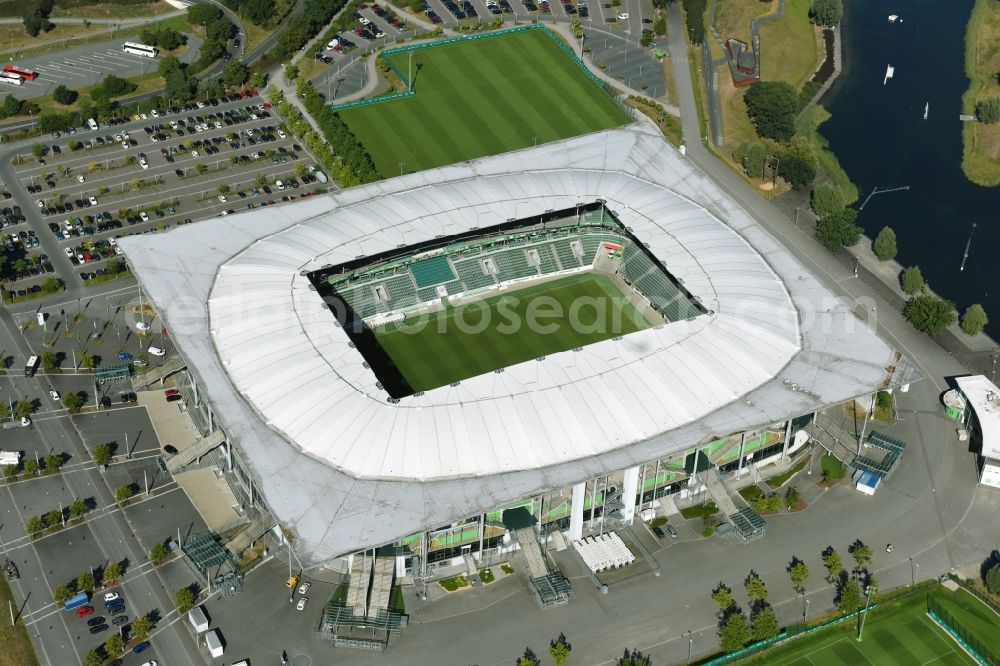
{"x":224,"y":213}
{"x":304,"y":587}
{"x":25,"y":422}
{"x":54,"y":394}
{"x":143,"y":216}
{"x":156,"y":351}
{"x":124,"y":146}
{"x":39,"y":203}
{"x":144,"y":164}
{"x":195,"y":153}
{"x":249,"y":132}
{"x":141,"y":326}
{"x":156,"y":114}
{"x":623,"y":16}
{"x":282,"y":135}
{"x":143,"y":116}
{"x":222,"y":198}
{"x":68,"y":251}
{"x":363,"y":20}
{"x":93,"y":201}
{"x":110,"y":596}
{"x":152,"y":662}
{"x":80,"y":179}
{"x":302,"y":603}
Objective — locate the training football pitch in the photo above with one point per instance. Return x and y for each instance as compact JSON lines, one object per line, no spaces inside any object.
{"x":482,"y":97}
{"x":899,"y":633}
{"x":460,"y":342}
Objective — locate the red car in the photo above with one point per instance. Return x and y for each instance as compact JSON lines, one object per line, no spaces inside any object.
{"x":171,"y":392}
{"x":84,"y":611}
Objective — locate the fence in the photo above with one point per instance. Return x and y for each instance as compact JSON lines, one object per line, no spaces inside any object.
{"x":973,"y":645}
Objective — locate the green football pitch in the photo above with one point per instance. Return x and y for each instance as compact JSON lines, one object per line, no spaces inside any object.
{"x":460,"y":342}
{"x":482,"y":97}
{"x":897,"y":634}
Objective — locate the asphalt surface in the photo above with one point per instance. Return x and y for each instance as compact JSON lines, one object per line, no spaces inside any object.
{"x":88,"y":65}
{"x":192,"y":196}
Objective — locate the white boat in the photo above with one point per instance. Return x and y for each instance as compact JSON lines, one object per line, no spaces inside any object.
{"x":927,"y":108}
{"x":893,"y":18}
{"x":889,"y":71}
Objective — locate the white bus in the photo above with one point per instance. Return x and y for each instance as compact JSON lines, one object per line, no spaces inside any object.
{"x":12,"y":79}
{"x":10,"y":458}
{"x":139,"y":49}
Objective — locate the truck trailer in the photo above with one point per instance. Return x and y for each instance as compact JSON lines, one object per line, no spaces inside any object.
{"x":196,"y":616}
{"x":10,"y":458}
{"x":214,"y":643}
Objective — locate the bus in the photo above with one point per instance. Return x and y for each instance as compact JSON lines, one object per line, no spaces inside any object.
{"x":23,"y":72}
{"x":31,"y":366}
{"x":139,"y":49}
{"x":12,"y":79}
{"x":77,"y":600}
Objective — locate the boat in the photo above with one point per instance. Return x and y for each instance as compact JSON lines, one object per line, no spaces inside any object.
{"x":893,"y":18}
{"x":889,"y":71}
{"x":927,"y":108}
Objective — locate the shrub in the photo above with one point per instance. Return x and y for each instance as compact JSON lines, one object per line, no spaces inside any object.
{"x":912,"y":280}
{"x":974,"y":319}
{"x":185,"y":599}
{"x":64,"y":95}
{"x":988,"y":110}
{"x":827,"y":200}
{"x":884,"y":244}
{"x":838,"y":230}
{"x":772,"y":106}
{"x":929,"y":314}
{"x":157,"y":554}
{"x":751,"y":156}
{"x":827,"y":12}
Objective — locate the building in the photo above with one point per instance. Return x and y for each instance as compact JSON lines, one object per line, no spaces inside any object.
{"x":315,"y":440}
{"x":976,"y":404}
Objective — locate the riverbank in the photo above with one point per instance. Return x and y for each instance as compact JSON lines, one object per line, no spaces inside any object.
{"x":981,"y":141}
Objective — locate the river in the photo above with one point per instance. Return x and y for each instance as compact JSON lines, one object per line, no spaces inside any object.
{"x":878,"y":133}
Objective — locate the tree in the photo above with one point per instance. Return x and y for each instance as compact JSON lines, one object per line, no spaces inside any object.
{"x":838,"y":230}
{"x":974,"y":319}
{"x":827,"y":12}
{"x":115,"y":645}
{"x":201,"y":14}
{"x":140,"y":627}
{"x":797,"y":162}
{"x":993,"y":579}
{"x":53,"y":518}
{"x":30,"y":467}
{"x":87,"y":362}
{"x":560,"y":649}
{"x":185,"y":600}
{"x":35,"y":525}
{"x":37,"y":150}
{"x":861,"y":552}
{"x":792,"y":496}
{"x":884,"y":245}
{"x":64,"y":95}
{"x":23,"y":408}
{"x":988,"y":110}
{"x":10,"y":471}
{"x":528,"y":659}
{"x":85,"y":582}
{"x":849,"y":597}
{"x":832,"y":562}
{"x":258,"y":80}
{"x":798,"y":573}
{"x":756,"y":589}
{"x":634,"y":658}
{"x":157,"y":554}
{"x":50,"y":363}
{"x":772,"y":106}
{"x":929,"y":314}
{"x":36,"y":23}
{"x":72,"y":401}
{"x":123,"y":494}
{"x":751,"y":156}
{"x":51,"y":286}
{"x":763,"y":622}
{"x":912,"y":280}
{"x":78,"y":508}
{"x":723,"y":596}
{"x":112,"y":573}
{"x":61,"y":593}
{"x":827,"y":200}
{"x":102,"y":454}
{"x":92,"y":659}
{"x":734,"y":631}
{"x":235,"y":73}
{"x":53,"y":462}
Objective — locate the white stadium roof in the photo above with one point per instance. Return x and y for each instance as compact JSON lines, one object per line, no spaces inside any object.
{"x":346,"y":469}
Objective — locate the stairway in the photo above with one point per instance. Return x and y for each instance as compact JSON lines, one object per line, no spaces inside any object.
{"x":173,"y":364}
{"x":253,"y":531}
{"x":196,"y":451}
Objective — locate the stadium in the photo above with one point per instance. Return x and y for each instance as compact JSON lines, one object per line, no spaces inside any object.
{"x":367,"y":361}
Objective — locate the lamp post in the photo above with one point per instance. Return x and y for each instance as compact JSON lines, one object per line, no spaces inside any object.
{"x":913,"y":572}
{"x":864,"y":613}
{"x":690,"y":646}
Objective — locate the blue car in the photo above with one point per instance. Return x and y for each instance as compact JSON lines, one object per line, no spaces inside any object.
{"x":139,"y":647}
{"x":124,"y":356}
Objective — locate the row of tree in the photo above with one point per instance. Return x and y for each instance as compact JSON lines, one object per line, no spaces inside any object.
{"x":560,"y":650}
{"x":218,"y":31}
{"x":86,"y":582}
{"x":114,"y":646}
{"x":30,"y":467}
{"x":56,"y":517}
{"x":301,"y":27}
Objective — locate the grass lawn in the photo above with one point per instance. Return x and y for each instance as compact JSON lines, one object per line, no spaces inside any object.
{"x":700,"y":511}
{"x":899,"y":633}
{"x":457,"y":343}
{"x":732,"y":17}
{"x":114,"y":10}
{"x":781,"y":479}
{"x":980,"y":142}
{"x":808,"y":127}
{"x":17,"y":649}
{"x":790,"y":48}
{"x":480,"y":98}
{"x":833,"y":469}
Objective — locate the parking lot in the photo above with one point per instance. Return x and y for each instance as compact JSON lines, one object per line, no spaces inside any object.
{"x":87,"y":188}
{"x":86,"y":66}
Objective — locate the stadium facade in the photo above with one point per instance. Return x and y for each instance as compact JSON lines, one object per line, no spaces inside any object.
{"x":753,"y":345}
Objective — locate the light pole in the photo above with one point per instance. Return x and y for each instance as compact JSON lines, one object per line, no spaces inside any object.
{"x":913,"y":572}
{"x":690,"y":646}
{"x":864,"y":613}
